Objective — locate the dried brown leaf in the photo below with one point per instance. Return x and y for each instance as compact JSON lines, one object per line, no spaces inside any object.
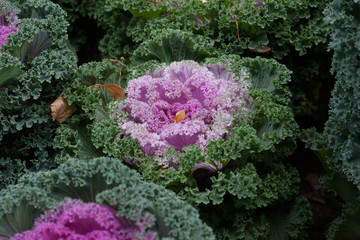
{"x":60,"y":109}
{"x":264,"y":50}
{"x":313,"y":179}
{"x":318,"y":190}
{"x":314,"y":197}
{"x":180,"y":115}
{"x":116,"y":91}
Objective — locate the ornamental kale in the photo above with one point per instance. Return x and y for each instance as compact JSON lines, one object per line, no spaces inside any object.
{"x":77,"y":220}
{"x":187,"y":104}
{"x":180,"y":105}
{"x":229,"y":166}
{"x":100,"y":198}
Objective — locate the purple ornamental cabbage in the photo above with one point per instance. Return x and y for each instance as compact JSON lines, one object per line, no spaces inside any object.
{"x":180,"y":105}
{"x":8,"y":22}
{"x":75,"y":220}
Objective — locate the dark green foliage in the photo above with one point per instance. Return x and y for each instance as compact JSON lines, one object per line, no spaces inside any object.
{"x":251,"y":190}
{"x":74,"y":140}
{"x":105,"y":181}
{"x":338,"y":146}
{"x":282,"y":25}
{"x":10,"y":71}
{"x":311,"y":84}
{"x":284,"y":220}
{"x":287,"y":219}
{"x":134,"y":29}
{"x":342,"y":130}
{"x":34,"y":66}
{"x":348,"y":224}
{"x":173,"y":45}
{"x":103,"y":134}
{"x":20,"y":206}
{"x":279,"y":24}
{"x":76,"y":10}
{"x":346,"y":192}
{"x":10,"y":170}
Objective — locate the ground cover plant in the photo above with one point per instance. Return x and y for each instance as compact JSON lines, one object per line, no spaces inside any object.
{"x":208,"y":102}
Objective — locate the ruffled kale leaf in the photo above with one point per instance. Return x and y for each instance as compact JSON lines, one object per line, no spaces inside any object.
{"x":104,"y":181}
{"x":173,"y":45}
{"x":35,"y":64}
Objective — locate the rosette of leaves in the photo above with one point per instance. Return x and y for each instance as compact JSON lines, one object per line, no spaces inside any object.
{"x":235,"y":171}
{"x":234,"y":26}
{"x":237,"y":174}
{"x":34,"y":65}
{"x":107,"y":200}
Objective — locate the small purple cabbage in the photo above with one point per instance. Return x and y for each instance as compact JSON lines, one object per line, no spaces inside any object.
{"x":8,"y":22}
{"x":209,"y":95}
{"x":75,"y":220}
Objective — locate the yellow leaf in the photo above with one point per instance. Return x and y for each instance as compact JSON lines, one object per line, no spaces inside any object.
{"x":180,"y":115}
{"x":60,"y":109}
{"x":116,"y":91}
{"x":264,"y":50}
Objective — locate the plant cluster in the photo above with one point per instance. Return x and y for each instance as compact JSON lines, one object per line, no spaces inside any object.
{"x":214,"y":132}
{"x":35,"y":63}
{"x":292,"y":31}
{"x":189,"y":135}
{"x":230,"y":26}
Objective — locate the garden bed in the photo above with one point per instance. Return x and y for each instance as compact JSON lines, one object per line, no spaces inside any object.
{"x":179,"y":119}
